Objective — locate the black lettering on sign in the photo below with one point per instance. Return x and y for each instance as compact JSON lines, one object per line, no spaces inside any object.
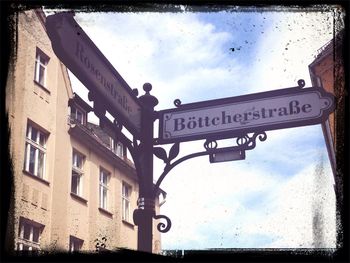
{"x":247,"y":116}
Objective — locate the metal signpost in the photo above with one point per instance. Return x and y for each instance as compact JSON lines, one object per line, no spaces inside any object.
{"x":243,"y":118}
{"x":77,"y":51}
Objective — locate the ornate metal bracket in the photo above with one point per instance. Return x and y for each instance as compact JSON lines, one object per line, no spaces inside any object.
{"x":163,"y":227}
{"x":148,"y":204}
{"x":243,"y":143}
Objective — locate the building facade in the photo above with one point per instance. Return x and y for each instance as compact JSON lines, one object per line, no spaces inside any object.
{"x":74,"y":186}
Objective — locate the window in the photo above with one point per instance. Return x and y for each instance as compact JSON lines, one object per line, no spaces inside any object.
{"x":104,"y":178}
{"x":77,"y":114}
{"x":126,"y":192}
{"x":29,"y":235}
{"x":75,"y":244}
{"x":77,"y":172}
{"x":41,"y":62}
{"x":116,"y":147}
{"x":35,"y":151}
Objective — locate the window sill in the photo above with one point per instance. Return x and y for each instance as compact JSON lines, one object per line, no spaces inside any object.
{"x":78,"y":198}
{"x":36,"y":177}
{"x":129,"y":224}
{"x":42,"y":87}
{"x":105,"y":212}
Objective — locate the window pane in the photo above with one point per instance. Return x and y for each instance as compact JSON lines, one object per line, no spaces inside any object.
{"x":79,"y":117}
{"x":29,"y":130}
{"x":101,"y":196}
{"x":25,"y":247}
{"x":31,"y":159}
{"x":75,"y":183}
{"x":36,"y":73}
{"x":20,"y":246}
{"x":74,"y":159}
{"x":41,"y":79}
{"x":120,"y":150}
{"x":36,"y":234}
{"x":41,"y":164}
{"x":34,"y":134}
{"x":104,"y":198}
{"x":26,"y":233}
{"x":72,"y":112}
{"x":127,"y":211}
{"x":103,"y":177}
{"x":75,"y":244}
{"x":79,"y":161}
{"x":42,"y":139}
{"x":124,"y":190}
{"x":111,"y":141}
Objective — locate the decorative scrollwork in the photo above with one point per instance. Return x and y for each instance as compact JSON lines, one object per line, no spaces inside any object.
{"x":161,"y":153}
{"x":174,"y":151}
{"x":210,"y":145}
{"x":135,"y":92}
{"x":242,"y":140}
{"x":91,"y":96}
{"x":163,"y":227}
{"x":251,"y":141}
{"x":301,"y":83}
{"x":262,"y":136}
{"x":177,"y":103}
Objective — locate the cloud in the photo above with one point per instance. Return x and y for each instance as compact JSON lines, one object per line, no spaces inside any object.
{"x":209,"y":198}
{"x":293,"y":211}
{"x":178,"y":55}
{"x":290,"y":45}
{"x":239,"y":204}
{"x":218,"y":206}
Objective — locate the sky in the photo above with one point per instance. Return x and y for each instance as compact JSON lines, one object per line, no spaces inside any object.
{"x":267,"y":200}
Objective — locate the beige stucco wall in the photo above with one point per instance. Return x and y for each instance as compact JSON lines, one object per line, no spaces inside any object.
{"x":49,"y":202}
{"x":25,"y":101}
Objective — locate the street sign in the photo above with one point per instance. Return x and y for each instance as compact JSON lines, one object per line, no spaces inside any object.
{"x":77,"y":51}
{"x":226,"y":156}
{"x":229,"y":117}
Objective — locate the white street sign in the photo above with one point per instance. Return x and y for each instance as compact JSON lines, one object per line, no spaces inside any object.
{"x":249,"y":113}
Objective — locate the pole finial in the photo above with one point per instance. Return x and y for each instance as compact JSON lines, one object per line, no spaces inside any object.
{"x":148,"y":100}
{"x":147,"y":87}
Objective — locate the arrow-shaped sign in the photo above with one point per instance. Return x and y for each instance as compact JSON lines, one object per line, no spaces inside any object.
{"x":77,"y":51}
{"x":229,"y":117}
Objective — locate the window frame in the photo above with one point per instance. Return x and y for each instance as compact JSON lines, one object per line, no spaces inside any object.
{"x":75,"y":244}
{"x":41,"y":62}
{"x":24,"y":243}
{"x":37,"y":147}
{"x":126,"y":202}
{"x":77,"y":171}
{"x":74,"y":114}
{"x":116,"y":147}
{"x":104,"y":188}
